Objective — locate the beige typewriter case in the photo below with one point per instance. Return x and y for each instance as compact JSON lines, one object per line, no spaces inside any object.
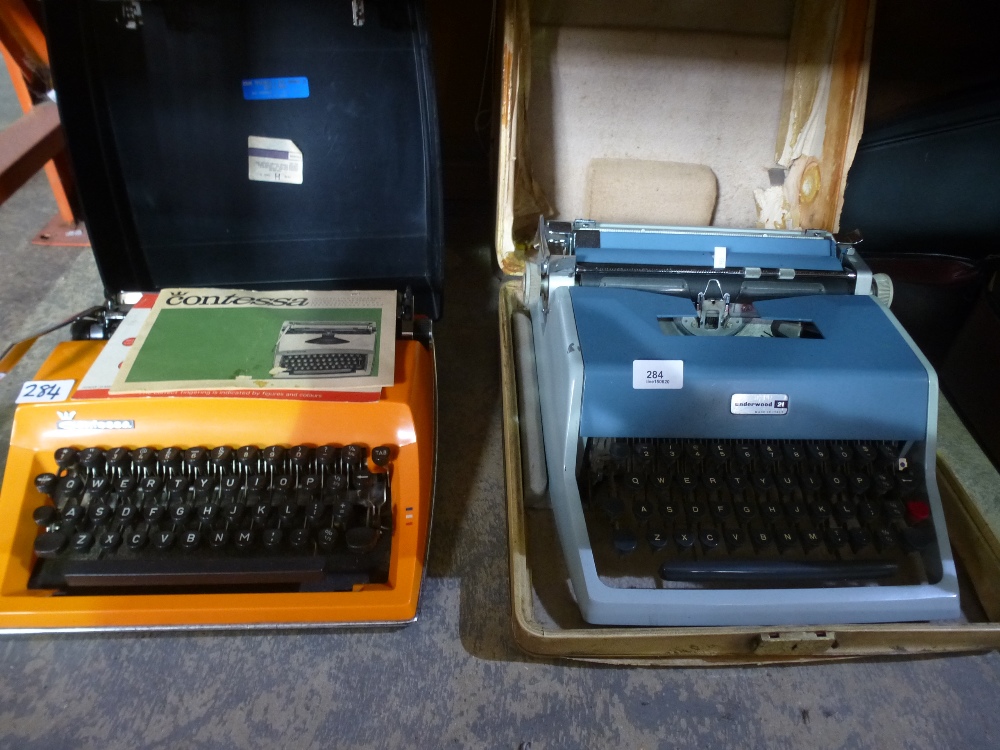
{"x":720,"y":113}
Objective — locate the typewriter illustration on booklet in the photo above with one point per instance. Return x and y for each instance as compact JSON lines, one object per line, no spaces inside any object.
{"x":324,"y":349}
{"x":736,"y":429}
{"x":256,"y":460}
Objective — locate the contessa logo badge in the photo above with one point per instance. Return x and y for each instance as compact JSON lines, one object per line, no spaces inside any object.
{"x":759,"y":403}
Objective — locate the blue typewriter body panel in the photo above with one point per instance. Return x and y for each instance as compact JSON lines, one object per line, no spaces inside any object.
{"x":861,"y":380}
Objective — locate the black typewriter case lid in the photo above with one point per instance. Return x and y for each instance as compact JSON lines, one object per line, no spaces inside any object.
{"x":261,"y":144}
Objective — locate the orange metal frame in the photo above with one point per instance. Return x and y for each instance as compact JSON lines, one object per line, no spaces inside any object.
{"x":405,"y":416}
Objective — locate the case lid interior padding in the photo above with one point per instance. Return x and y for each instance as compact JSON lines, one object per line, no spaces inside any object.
{"x":159,"y":101}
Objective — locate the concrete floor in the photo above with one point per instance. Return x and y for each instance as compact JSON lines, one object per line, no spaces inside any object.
{"x":455,"y":678}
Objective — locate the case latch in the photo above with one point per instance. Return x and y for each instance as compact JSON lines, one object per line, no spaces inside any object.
{"x":795,"y":642}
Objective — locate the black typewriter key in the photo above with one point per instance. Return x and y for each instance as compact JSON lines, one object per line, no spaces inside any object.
{"x":234,"y":512}
{"x":866,"y":511}
{"x":272,"y":539}
{"x":736,"y":539}
{"x":841,"y":453}
{"x":892,"y":510}
{"x":177,"y":487}
{"x":811,"y":483}
{"x":298,"y":539}
{"x":889,"y":451}
{"x":818,"y":452}
{"x":785,"y":539}
{"x":218,"y":538}
{"x":643,"y":454}
{"x":342,"y":512}
{"x":760,"y":538}
{"x":657,"y":539}
{"x":885,"y":539}
{"x":208,"y":512}
{"x":136,"y":539}
{"x":624,"y":540}
{"x":70,"y":487}
{"x":836,"y":482}
{"x":669,"y":452}
{"x":73,"y":514}
{"x":169,"y":459}
{"x":288,"y":510}
{"x":688,"y":481}
{"x":125,"y":485}
{"x":230,"y":485}
{"x":261,"y":511}
{"x":45,"y":515}
{"x":786,"y":483}
{"x":634,"y":481}
{"x":300,"y":456}
{"x":204,"y":485}
{"x":744,"y":454}
{"x":109,"y":540}
{"x":695,"y":510}
{"x":795,"y":511}
{"x":180,"y":512}
{"x":684,"y":539}
{"x":843,"y":511}
{"x":98,"y":486}
{"x":81,"y":541}
{"x":660,"y":481}
{"x":820,"y":511}
{"x":811,"y":540}
{"x":337,"y":482}
{"x":770,"y":511}
{"x":50,"y":543}
{"x":144,"y":458}
{"x":381,"y":455}
{"x":642,"y":510}
{"x":163,"y":539}
{"x":310,"y":484}
{"x":221,"y":456}
{"x":859,"y":483}
{"x":860,"y":539}
{"x":866,"y":453}
{"x":92,"y":459}
{"x":720,"y":510}
{"x":906,"y":482}
{"x":719,"y":453}
{"x":713,"y":481}
{"x":65,"y":457}
{"x":243,"y":539}
{"x":315,"y":509}
{"x":326,"y":539}
{"x":836,"y":539}
{"x":248,"y":455}
{"x":361,"y":539}
{"x":195,"y":458}
{"x":883,"y":482}
{"x":695,"y":451}
{"x":118,"y":458}
{"x":154,"y":513}
{"x":46,"y":483}
{"x":190,"y":540}
{"x":100,"y":513}
{"x":762,"y":481}
{"x":283,"y":483}
{"x":745,"y":511}
{"x":256,"y":485}
{"x":355,"y":454}
{"x":150,"y":485}
{"x":738,"y":482}
{"x":769,"y":452}
{"x":794,"y":452}
{"x":709,"y":539}
{"x":669,"y":509}
{"x":327,"y":455}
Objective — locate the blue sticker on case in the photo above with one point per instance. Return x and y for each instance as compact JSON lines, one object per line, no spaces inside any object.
{"x":255,"y":89}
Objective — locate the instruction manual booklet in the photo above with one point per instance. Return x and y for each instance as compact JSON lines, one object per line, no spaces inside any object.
{"x":225,"y":342}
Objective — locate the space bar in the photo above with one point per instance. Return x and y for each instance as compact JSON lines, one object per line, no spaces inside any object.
{"x":192,"y":571}
{"x":776,"y":571}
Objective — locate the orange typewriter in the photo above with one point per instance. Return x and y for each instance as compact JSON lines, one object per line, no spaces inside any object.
{"x":311,"y":165}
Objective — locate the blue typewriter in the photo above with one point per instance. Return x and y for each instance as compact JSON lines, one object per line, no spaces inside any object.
{"x":736,"y":430}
